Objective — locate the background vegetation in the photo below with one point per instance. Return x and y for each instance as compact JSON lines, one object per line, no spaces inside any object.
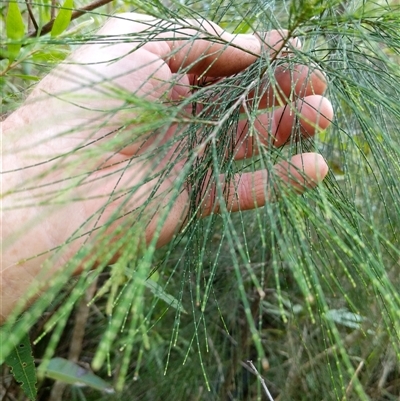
{"x":307,"y":287}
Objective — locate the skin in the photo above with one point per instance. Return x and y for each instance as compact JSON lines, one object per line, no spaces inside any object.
{"x":52,"y":122}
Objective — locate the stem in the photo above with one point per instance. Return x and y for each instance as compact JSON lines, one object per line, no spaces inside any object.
{"x":31,"y":16}
{"x":76,"y":14}
{"x":52,"y":11}
{"x":264,"y":386}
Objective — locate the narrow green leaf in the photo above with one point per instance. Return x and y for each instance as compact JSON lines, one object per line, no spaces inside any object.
{"x":14,"y":23}
{"x":69,"y":372}
{"x":63,"y":18}
{"x":159,"y":292}
{"x":50,"y":55}
{"x":20,"y":360}
{"x":15,"y":30}
{"x":346,"y":318}
{"x":243,"y":27}
{"x":26,"y":77}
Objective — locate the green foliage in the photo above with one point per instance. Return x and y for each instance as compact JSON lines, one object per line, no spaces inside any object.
{"x":63,"y":18}
{"x":159,"y":292}
{"x":20,"y":360}
{"x":307,"y":286}
{"x":15,"y":28}
{"x":68,"y":372}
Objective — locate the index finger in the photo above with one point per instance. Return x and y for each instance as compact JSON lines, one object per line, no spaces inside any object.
{"x":215,"y":52}
{"x":201,"y":46}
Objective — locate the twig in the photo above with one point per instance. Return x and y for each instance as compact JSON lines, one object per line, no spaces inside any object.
{"x":293,"y":373}
{"x":75,"y":14}
{"x":53,"y":10}
{"x":388,"y":367}
{"x":217,"y":358}
{"x":81,"y":318}
{"x":350,"y":386}
{"x":261,"y":380}
{"x":31,"y":16}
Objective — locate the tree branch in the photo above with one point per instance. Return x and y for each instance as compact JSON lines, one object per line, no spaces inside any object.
{"x":263,"y":384}
{"x":76,"y":14}
{"x":31,"y":16}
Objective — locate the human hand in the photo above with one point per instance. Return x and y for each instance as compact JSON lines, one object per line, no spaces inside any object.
{"x":79,"y":164}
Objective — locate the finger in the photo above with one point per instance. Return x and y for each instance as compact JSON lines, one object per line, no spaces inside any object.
{"x":200,"y":46}
{"x":300,"y":80}
{"x":288,"y":82}
{"x":222,"y":53}
{"x":309,"y":115}
{"x":252,"y":190}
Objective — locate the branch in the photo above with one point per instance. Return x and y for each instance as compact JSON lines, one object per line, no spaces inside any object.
{"x":53,"y":10}
{"x":264,"y":386}
{"x":76,"y":14}
{"x":31,"y":16}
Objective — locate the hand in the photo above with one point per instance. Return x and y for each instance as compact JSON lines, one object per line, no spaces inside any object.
{"x":69,"y":173}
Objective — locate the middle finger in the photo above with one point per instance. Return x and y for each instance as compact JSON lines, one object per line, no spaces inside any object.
{"x":286,"y":83}
{"x":274,"y":128}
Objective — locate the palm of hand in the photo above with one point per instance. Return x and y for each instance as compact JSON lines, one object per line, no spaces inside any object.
{"x":79,"y":163}
{"x":88,"y":113}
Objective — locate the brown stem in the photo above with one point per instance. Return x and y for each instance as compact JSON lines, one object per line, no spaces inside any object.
{"x":53,"y":10}
{"x":31,"y":16}
{"x":76,"y":14}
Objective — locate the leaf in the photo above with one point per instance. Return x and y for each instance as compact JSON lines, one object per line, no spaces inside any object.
{"x":15,"y":30}
{"x":63,"y":18}
{"x":345,"y":317}
{"x":21,"y":362}
{"x":243,"y":27}
{"x":50,"y":55}
{"x":69,"y":372}
{"x":159,"y":292}
{"x":26,"y":77}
